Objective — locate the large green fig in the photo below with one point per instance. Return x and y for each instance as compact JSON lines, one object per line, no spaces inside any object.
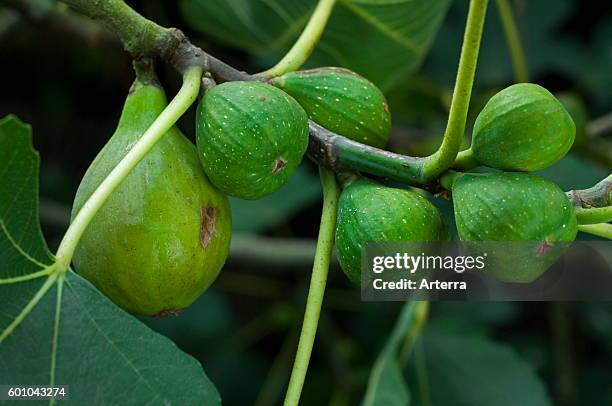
{"x":251,"y":137}
{"x":341,"y":101}
{"x":369,"y":211}
{"x":163,"y":235}
{"x":514,"y":207}
{"x":522,"y":128}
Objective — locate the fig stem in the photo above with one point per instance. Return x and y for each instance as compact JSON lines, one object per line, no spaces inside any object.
{"x":306,"y":43}
{"x":320,"y":268}
{"x":139,"y":36}
{"x":164,"y":122}
{"x":465,"y":160}
{"x":513,"y":40}
{"x":447,"y":180}
{"x":340,"y":154}
{"x":603,"y":230}
{"x":444,"y":157}
{"x":594,"y":215}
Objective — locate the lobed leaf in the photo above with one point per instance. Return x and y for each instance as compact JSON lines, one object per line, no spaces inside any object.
{"x":57,"y":329}
{"x":382,"y":40}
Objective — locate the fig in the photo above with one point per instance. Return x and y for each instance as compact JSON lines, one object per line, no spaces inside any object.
{"x":251,"y":137}
{"x":370,"y":211}
{"x":514,"y":207}
{"x":341,"y":101}
{"x":522,"y":128}
{"x":163,"y":235}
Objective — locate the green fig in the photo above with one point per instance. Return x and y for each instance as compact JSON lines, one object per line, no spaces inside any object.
{"x":341,"y":101}
{"x":522,"y":128}
{"x":251,"y":137}
{"x":514,"y":207}
{"x":369,"y":211}
{"x":163,"y":235}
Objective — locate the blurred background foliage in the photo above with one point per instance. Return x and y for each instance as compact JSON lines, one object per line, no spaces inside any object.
{"x":68,"y":77}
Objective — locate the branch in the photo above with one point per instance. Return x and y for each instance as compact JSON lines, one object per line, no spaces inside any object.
{"x":513,"y":39}
{"x":340,"y":154}
{"x":599,"y":195}
{"x":143,"y":38}
{"x":307,"y":41}
{"x":444,"y":157}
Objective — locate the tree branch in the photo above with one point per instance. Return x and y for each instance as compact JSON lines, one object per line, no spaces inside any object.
{"x":143,"y":38}
{"x":599,"y":195}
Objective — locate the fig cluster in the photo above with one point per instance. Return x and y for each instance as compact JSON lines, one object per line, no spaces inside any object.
{"x":522,"y":128}
{"x":163,"y":236}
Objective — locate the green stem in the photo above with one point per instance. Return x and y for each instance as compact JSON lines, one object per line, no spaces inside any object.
{"x":465,"y":160}
{"x":140,"y":36}
{"x":445,"y":156}
{"x":325,"y":244}
{"x":448,"y":179}
{"x":594,"y":215}
{"x":513,"y":40}
{"x":600,"y":230}
{"x":184,"y":98}
{"x":341,"y":154}
{"x":421,"y":312}
{"x":306,"y":43}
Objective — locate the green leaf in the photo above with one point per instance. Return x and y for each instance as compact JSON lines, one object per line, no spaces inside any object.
{"x":57,"y":329}
{"x":474,"y":371}
{"x":383,"y":40}
{"x":386,"y":385}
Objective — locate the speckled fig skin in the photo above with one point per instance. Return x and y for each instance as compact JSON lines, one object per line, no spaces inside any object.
{"x":369,"y":211}
{"x":162,"y":237}
{"x":511,"y":207}
{"x":251,"y":137}
{"x":522,"y":128}
{"x":341,"y":101}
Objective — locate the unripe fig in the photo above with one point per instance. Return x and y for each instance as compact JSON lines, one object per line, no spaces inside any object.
{"x":163,"y":235}
{"x":522,"y":128}
{"x":341,"y":101}
{"x":512,"y":207}
{"x":251,"y":137}
{"x":369,"y":211}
